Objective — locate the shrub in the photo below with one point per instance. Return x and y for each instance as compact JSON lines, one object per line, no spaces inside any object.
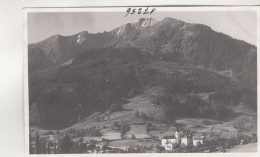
{"x":143,"y":115}
{"x":66,"y":144}
{"x":159,"y":148}
{"x":114,"y":108}
{"x":148,"y":127}
{"x":137,"y":114}
{"x":105,"y":147}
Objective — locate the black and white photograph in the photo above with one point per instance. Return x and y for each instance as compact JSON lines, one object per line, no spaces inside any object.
{"x":141,"y":80}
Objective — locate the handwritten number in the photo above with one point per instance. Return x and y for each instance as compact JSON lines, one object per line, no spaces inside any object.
{"x":146,"y":12}
{"x":139,"y":10}
{"x":133,"y":11}
{"x":152,"y":10}
{"x":128,"y":11}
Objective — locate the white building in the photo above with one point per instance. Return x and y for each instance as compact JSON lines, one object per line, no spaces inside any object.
{"x":168,"y":141}
{"x":168,"y":146}
{"x":179,"y":138}
{"x":198,"y":139}
{"x":186,"y":140}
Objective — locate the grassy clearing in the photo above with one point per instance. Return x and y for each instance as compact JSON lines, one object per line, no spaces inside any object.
{"x":250,"y":147}
{"x":129,"y":143}
{"x":209,"y":128}
{"x":139,"y":131}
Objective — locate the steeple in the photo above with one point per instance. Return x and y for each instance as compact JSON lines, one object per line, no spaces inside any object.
{"x":176,"y":134}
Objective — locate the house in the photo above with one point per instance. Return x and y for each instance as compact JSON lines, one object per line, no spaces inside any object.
{"x":187,"y":140}
{"x":197,"y":140}
{"x":179,"y":136}
{"x":51,"y":138}
{"x":168,"y":141}
{"x":168,"y":146}
{"x":53,"y":143}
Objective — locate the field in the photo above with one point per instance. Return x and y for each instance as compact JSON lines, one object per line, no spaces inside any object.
{"x":251,"y":147}
{"x":133,"y":143}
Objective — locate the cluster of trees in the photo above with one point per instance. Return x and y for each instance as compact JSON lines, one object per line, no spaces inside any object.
{"x":194,"y":106}
{"x":115,"y":107}
{"x":42,"y":145}
{"x":66,"y":144}
{"x":142,"y":115}
{"x":148,"y":127}
{"x":224,"y":144}
{"x":123,"y":127}
{"x":180,"y":100}
{"x":249,"y":98}
{"x":91,"y":131}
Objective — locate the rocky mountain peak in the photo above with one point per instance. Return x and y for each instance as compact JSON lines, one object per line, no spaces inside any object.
{"x":138,"y":24}
{"x":144,"y":22}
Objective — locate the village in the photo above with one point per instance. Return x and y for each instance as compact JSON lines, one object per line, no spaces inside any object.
{"x":180,"y":142}
{"x":168,"y":142}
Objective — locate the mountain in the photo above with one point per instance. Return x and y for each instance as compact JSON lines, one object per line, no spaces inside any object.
{"x":97,"y":70}
{"x":169,"y":39}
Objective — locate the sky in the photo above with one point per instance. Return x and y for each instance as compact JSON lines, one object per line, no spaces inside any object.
{"x":237,"y":24}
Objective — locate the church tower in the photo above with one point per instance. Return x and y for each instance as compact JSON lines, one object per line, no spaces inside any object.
{"x":176,"y":134}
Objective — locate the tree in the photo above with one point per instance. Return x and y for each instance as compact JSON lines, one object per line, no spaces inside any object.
{"x":98,"y":149}
{"x":143,"y":115}
{"x":137,"y":114}
{"x":122,"y":133}
{"x":105,"y":147}
{"x":94,"y":131}
{"x":50,"y":132}
{"x":38,"y":143}
{"x":124,"y":128}
{"x":115,"y":107}
{"x":66,"y":144}
{"x":30,"y":143}
{"x":159,"y":148}
{"x":91,"y":147}
{"x":116,"y":124}
{"x":148,"y":126}
{"x":254,"y":138}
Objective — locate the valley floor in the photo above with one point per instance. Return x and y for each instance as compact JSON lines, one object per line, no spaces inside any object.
{"x":250,"y":147}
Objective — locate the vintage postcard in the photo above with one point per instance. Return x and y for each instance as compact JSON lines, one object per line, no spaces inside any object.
{"x":146,"y":80}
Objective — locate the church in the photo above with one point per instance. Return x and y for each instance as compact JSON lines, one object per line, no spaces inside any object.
{"x":168,"y":142}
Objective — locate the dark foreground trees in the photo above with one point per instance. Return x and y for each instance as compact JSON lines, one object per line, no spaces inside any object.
{"x":66,"y":144}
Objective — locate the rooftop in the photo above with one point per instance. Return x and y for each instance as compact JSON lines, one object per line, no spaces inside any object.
{"x":169,"y":137}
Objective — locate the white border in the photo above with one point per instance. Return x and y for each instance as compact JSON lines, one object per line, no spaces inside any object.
{"x":123,"y":9}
